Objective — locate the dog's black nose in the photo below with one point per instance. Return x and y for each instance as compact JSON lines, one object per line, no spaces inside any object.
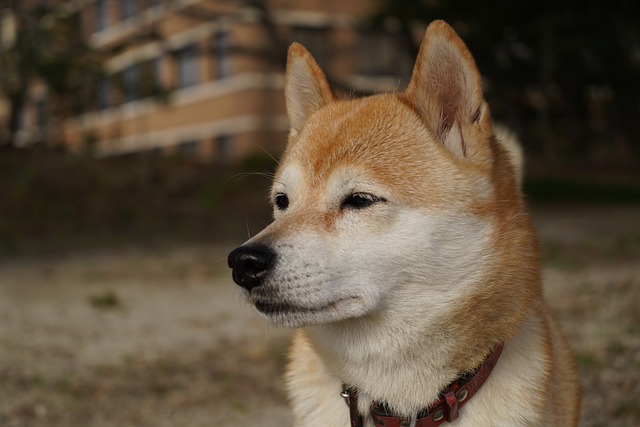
{"x":250,"y":265}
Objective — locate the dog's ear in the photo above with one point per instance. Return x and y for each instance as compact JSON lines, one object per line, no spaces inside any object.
{"x":446,"y":90}
{"x":306,"y":87}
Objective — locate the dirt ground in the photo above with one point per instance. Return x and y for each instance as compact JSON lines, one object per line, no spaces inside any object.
{"x":161,"y":337}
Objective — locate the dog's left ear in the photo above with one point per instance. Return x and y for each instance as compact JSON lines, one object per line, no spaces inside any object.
{"x":306,"y":87}
{"x":446,"y":90}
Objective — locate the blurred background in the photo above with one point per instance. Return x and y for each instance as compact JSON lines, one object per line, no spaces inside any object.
{"x":136,"y":142}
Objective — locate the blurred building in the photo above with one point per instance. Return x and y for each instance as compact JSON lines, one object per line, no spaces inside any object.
{"x":205,"y":77}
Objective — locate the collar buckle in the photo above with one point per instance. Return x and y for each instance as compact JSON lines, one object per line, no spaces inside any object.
{"x":451,"y":400}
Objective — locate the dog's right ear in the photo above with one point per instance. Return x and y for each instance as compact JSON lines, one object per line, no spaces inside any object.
{"x":446,"y":91}
{"x":306,"y":87}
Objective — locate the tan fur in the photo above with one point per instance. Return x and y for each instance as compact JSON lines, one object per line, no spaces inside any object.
{"x":401,"y":297}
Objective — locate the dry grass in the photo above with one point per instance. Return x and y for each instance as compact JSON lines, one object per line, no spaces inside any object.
{"x":592,"y":281}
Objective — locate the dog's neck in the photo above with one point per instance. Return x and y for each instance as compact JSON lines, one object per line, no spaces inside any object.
{"x":409,"y":384}
{"x":398,"y":364}
{"x":446,"y":408}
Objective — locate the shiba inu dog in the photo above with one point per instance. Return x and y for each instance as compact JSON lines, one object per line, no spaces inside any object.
{"x":402,"y":251}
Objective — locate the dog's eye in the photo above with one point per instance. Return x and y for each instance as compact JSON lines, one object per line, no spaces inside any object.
{"x":281,"y":201}
{"x":360,"y":201}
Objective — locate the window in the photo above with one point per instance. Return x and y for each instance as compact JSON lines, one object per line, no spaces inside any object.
{"x":190,"y":148}
{"x":150,"y":81}
{"x":131,"y":83}
{"x":156,"y":66}
{"x":101,"y":14}
{"x":221,"y":54}
{"x":187,"y":64}
{"x":223,"y":147}
{"x":104,"y":93}
{"x":129,"y":8}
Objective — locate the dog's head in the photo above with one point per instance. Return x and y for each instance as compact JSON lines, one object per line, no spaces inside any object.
{"x":389,"y":202}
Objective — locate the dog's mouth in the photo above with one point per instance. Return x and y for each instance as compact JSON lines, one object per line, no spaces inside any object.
{"x":275,"y":307}
{"x":271,"y":308}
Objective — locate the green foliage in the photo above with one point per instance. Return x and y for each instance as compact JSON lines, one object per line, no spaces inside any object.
{"x":51,"y":200}
{"x":587,"y":190}
{"x":108,"y":300}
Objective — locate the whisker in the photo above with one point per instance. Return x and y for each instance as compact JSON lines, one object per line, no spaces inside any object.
{"x":268,"y":153}
{"x":246,"y":220}
{"x":243,"y":175}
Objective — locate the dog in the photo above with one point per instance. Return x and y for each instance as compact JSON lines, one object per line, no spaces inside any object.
{"x":402,"y":252}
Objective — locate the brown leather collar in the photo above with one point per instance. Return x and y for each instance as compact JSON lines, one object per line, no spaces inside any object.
{"x":445,"y":408}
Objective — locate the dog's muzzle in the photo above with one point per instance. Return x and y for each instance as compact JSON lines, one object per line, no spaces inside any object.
{"x":251,"y":264}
